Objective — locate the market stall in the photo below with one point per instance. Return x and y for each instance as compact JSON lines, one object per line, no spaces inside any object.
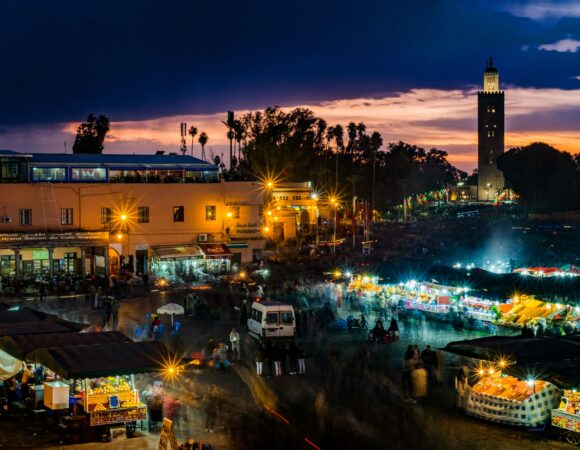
{"x":512,"y":401}
{"x":100,"y":377}
{"x":567,"y":417}
{"x":528,"y":311}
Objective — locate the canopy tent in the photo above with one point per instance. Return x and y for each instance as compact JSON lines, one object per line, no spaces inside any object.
{"x":35,"y":327}
{"x":19,"y":346}
{"x":94,"y":361}
{"x":521,"y":350}
{"x":556,"y":359}
{"x":19,"y":315}
{"x":9,"y":366}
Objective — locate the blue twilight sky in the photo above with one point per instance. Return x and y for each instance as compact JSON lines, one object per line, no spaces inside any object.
{"x":407,"y":68}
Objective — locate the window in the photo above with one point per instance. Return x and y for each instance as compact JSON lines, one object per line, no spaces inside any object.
{"x":210,"y":212}
{"x":260,"y":211}
{"x":257,"y":315}
{"x":286,"y":317}
{"x":178,"y":213}
{"x":26,"y":217}
{"x":272,"y":318}
{"x":143,"y":214}
{"x":92,"y":174}
{"x":66,"y":216}
{"x":106,"y":215}
{"x":48,"y":173}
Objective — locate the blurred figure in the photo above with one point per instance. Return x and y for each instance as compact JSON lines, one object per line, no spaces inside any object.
{"x":235,"y":344}
{"x":211,"y":409}
{"x":419,"y":382}
{"x":461,"y":390}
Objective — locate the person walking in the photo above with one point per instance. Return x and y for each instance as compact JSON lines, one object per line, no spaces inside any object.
{"x":259,"y":359}
{"x":235,"y":344}
{"x":108,"y":311}
{"x":211,"y":409}
{"x":115,"y":313}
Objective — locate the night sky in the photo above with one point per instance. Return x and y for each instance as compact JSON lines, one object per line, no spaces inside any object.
{"x":408,"y":69}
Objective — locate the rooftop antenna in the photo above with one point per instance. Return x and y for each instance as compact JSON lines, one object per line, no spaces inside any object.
{"x":183,"y":148}
{"x":65,"y":146}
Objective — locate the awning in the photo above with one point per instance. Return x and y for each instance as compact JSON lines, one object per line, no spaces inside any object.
{"x":554,"y":359}
{"x":20,"y":345}
{"x":215,"y":250}
{"x":100,"y":360}
{"x":37,"y":327}
{"x":178,"y":252}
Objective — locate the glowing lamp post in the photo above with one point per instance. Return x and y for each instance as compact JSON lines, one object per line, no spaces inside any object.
{"x":333,"y":202}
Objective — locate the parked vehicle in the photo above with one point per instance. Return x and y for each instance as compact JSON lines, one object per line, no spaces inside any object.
{"x":272,"y":320}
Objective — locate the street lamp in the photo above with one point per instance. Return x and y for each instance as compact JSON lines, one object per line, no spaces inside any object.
{"x":332,"y":201}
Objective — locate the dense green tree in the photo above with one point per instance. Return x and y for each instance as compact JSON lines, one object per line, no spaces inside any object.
{"x":91,"y":134}
{"x":298,"y":146}
{"x":545,"y":178}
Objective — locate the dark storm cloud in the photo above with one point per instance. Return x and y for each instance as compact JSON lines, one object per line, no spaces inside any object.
{"x":143,"y":59}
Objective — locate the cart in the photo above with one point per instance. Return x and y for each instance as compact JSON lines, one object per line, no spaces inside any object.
{"x":569,"y":425}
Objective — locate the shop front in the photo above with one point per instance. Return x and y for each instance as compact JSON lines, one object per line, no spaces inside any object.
{"x":217,"y":257}
{"x":47,"y":254}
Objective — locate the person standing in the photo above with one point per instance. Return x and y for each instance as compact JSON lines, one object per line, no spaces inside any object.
{"x":293,"y":358}
{"x":301,"y":359}
{"x":235,"y":344}
{"x":269,"y":356}
{"x":277,"y":354}
{"x":259,"y":359}
{"x":461,"y":390}
{"x":244,"y":314}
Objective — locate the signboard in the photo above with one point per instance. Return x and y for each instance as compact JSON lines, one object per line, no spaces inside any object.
{"x":118,"y":416}
{"x":248,"y":228}
{"x":32,"y":238}
{"x":215,"y":250}
{"x":167,"y":437}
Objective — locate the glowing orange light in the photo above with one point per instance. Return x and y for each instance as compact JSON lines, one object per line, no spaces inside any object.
{"x":119,"y":236}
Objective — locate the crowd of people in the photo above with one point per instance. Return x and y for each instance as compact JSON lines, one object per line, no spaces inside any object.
{"x":281,"y":358}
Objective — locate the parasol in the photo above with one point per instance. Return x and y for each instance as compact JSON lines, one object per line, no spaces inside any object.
{"x":172,"y":309}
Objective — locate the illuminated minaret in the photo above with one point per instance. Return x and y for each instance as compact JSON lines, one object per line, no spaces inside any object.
{"x":490,"y":130}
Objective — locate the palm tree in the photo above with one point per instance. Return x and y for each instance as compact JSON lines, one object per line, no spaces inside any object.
{"x":239,"y":136}
{"x":192,"y":133}
{"x":203,"y":138}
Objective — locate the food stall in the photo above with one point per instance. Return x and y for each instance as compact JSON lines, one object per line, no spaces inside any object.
{"x":100,"y":377}
{"x":528,"y":310}
{"x":567,"y":417}
{"x":512,"y":401}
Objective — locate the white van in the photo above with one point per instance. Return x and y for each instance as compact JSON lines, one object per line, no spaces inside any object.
{"x":270,"y":320}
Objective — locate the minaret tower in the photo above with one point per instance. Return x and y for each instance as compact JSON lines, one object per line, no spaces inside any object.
{"x":490,"y":130}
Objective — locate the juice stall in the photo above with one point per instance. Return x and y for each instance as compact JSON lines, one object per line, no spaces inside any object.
{"x":99,"y":380}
